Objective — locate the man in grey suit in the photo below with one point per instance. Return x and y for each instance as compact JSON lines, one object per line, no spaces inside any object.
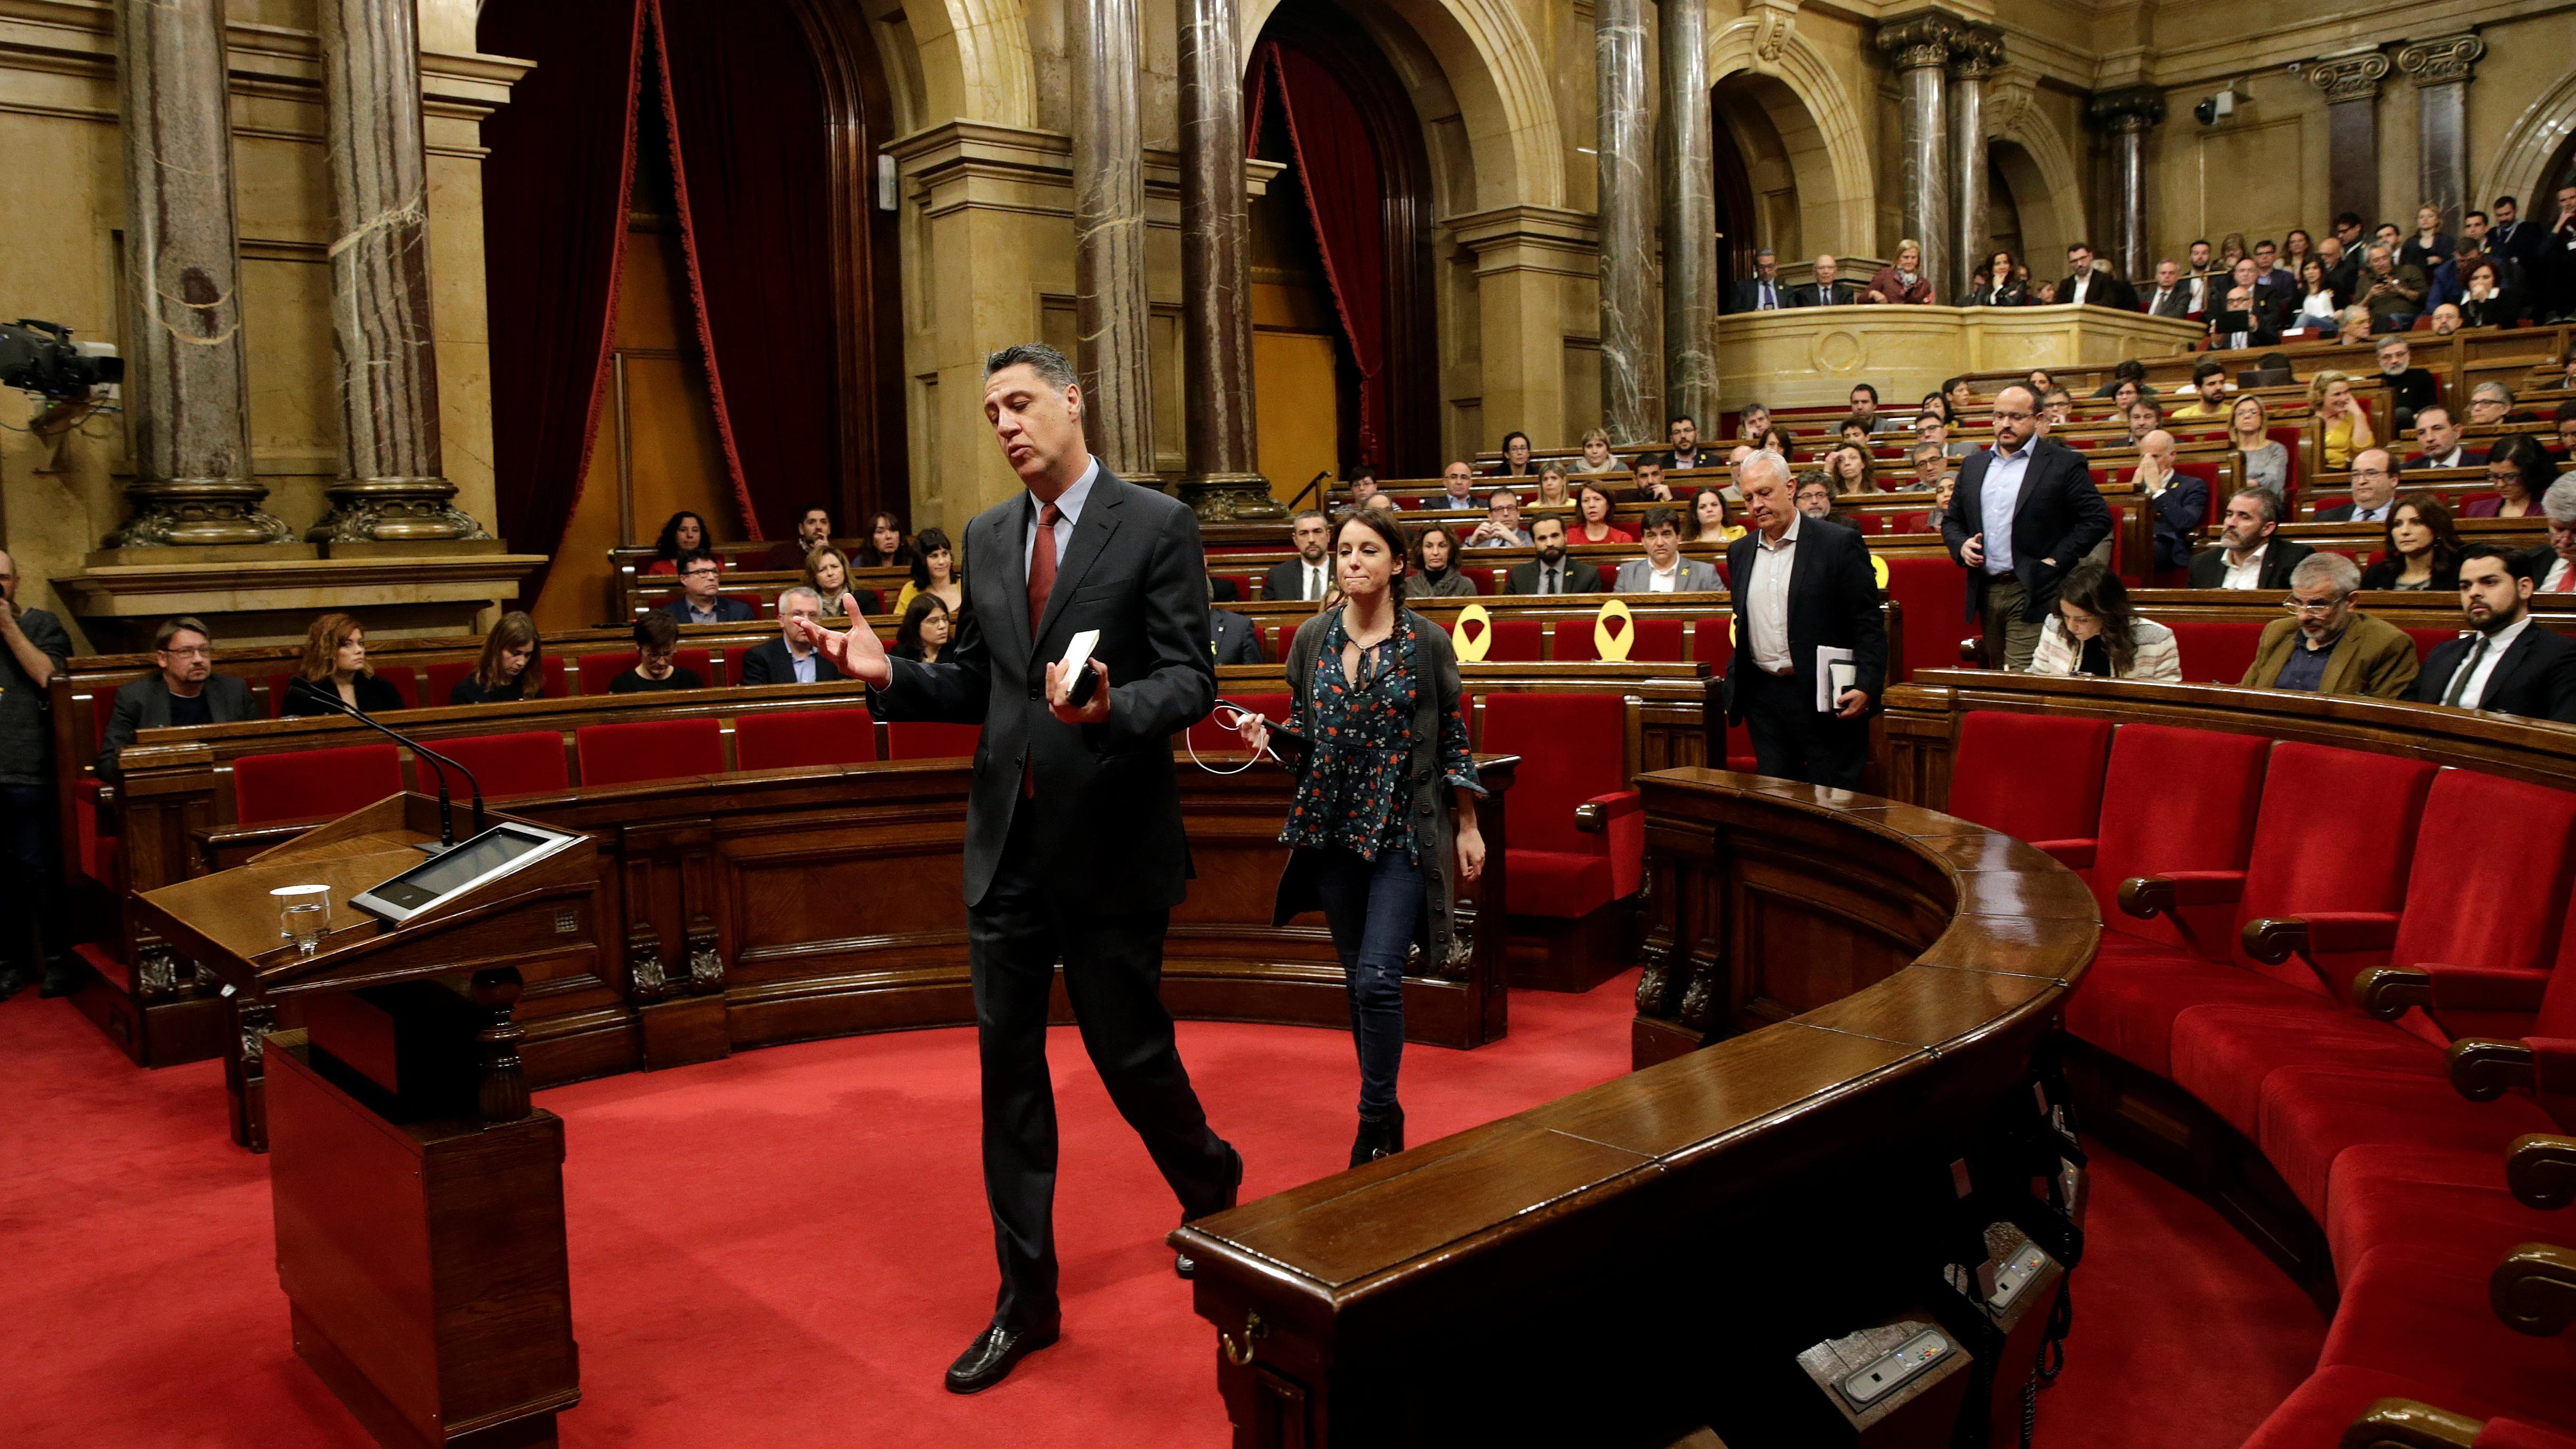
{"x":1663,"y":570}
{"x":187,"y":691}
{"x":1074,"y":843}
{"x":2171,"y":296}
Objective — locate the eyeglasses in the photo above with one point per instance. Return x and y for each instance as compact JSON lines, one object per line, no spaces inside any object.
{"x":2300,"y":606}
{"x":2360,"y":473}
{"x":198,"y":651}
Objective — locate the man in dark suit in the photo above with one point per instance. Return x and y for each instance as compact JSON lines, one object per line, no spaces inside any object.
{"x":1074,"y":846}
{"x":2024,"y":512}
{"x":2514,"y":239}
{"x":2374,"y":489}
{"x":186,"y":691}
{"x":813,"y":530}
{"x":2506,"y":660}
{"x":1763,"y":291}
{"x":2180,"y":501}
{"x":699,"y":602}
{"x":1307,"y":576}
{"x":1801,"y":584}
{"x":789,"y":658}
{"x":1825,"y":291}
{"x":2087,"y":287}
{"x":1682,"y":431}
{"x":2248,"y":556}
{"x":2172,"y":294}
{"x":1551,"y":572}
{"x":1232,"y":638}
{"x":35,"y":936}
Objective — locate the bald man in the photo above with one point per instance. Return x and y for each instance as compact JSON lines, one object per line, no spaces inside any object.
{"x":1825,"y":291}
{"x":2181,"y":501}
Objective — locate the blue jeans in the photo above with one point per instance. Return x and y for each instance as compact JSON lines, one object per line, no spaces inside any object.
{"x":1372,"y":908}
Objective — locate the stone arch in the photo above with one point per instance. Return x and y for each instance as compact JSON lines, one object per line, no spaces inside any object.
{"x":2047,"y":186}
{"x":966,"y":60}
{"x":1837,"y":190}
{"x":2521,"y":164}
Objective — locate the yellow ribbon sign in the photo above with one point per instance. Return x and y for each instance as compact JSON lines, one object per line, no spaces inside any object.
{"x":1611,"y":646}
{"x":1473,"y":634}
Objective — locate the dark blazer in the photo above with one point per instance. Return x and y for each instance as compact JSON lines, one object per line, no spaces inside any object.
{"x":2414,"y":388}
{"x":2504,"y":309}
{"x":2180,"y":511}
{"x":1842,"y":294}
{"x":1109,"y":807}
{"x":304,"y":697}
{"x":2209,"y":566}
{"x":1580,"y":577}
{"x":2177,"y":303}
{"x":144,"y":704}
{"x":1833,"y":602}
{"x":2102,"y":290}
{"x":728,"y":611}
{"x":769,"y":662}
{"x":2413,"y":252}
{"x":1707,"y":457}
{"x":1286,"y":579}
{"x":2383,"y":575}
{"x":1746,"y":295}
{"x":2523,"y":243}
{"x":2337,"y":513}
{"x":1232,"y":639}
{"x":1987,"y":294}
{"x":2536,"y":678}
{"x":2059,"y":515}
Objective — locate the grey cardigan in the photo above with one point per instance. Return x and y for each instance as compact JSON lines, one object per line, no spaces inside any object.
{"x":1456,"y":586}
{"x":1433,"y":936}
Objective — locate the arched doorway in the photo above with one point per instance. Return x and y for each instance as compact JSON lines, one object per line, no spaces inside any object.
{"x":1739,"y":221}
{"x":2014,"y":184}
{"x":1776,"y":145}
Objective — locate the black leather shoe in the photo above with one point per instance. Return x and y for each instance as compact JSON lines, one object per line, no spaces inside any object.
{"x":1378,"y":1137}
{"x":62,"y":978}
{"x":14,"y":979}
{"x":991,"y":1357}
{"x":1181,"y":1262}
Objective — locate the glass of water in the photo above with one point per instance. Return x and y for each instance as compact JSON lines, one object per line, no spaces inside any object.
{"x":303,"y":915}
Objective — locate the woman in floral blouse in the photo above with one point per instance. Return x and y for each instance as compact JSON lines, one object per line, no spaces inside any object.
{"x":1377,"y":699}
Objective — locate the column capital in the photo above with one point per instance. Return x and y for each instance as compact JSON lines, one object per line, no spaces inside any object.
{"x":2130,"y":108}
{"x":1922,"y":39}
{"x":2350,"y":77}
{"x":1977,"y":53}
{"x":2440,"y":62}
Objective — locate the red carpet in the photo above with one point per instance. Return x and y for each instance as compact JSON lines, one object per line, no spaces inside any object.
{"x":790,"y":1245}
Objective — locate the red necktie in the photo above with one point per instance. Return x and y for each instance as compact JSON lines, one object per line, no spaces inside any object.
{"x":2566,"y":581}
{"x":1041,"y":584}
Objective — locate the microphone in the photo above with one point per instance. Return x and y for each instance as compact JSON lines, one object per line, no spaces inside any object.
{"x":439,"y":764}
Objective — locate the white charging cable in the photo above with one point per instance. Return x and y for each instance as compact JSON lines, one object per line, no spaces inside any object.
{"x":1224,"y":708}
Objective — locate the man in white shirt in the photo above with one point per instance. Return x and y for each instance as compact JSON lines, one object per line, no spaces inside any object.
{"x":2248,"y":556}
{"x":2439,"y":437}
{"x":1804,"y":600}
{"x":1305,"y":577}
{"x":2505,"y":661}
{"x":790,"y":658}
{"x":1663,"y":570}
{"x":1457,"y":489}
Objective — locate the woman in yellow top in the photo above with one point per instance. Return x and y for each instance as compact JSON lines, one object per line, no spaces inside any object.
{"x":2346,"y":421}
{"x":934,"y":571}
{"x":1708,"y":511}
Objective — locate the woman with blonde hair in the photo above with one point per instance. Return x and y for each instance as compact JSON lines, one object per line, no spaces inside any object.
{"x":1551,"y":488}
{"x":1597,"y":457}
{"x":333,"y":676}
{"x":512,"y":666}
{"x":2346,"y":421}
{"x":1902,"y":280}
{"x":2249,"y":432}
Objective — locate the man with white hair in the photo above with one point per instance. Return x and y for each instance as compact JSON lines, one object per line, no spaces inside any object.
{"x":790,"y":658}
{"x":1806,"y":609}
{"x":2554,"y":563}
{"x":1825,"y":291}
{"x":2326,"y":646}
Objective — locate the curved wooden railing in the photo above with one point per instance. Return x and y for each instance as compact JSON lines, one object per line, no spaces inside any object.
{"x":1840,"y":991}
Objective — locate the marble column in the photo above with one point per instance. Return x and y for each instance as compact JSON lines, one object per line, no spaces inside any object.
{"x":1110,"y":308}
{"x":1630,"y":351}
{"x":390,"y":488}
{"x":2440,"y":70}
{"x":186,"y":373}
{"x":2128,"y":114}
{"x":1920,"y":46}
{"x":1216,"y":296}
{"x":1691,"y":300}
{"x":1975,"y":59}
{"x":2351,"y":86}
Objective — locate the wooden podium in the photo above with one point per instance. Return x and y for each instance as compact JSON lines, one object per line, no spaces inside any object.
{"x":420,"y":1221}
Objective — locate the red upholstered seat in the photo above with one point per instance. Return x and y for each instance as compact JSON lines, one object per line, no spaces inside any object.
{"x":914,"y":740}
{"x":598,"y":671}
{"x":1516,"y":641}
{"x":2036,"y":778}
{"x":528,"y":763}
{"x":668,"y":749}
{"x":98,"y":848}
{"x":2423,"y":1310}
{"x":2398,"y":1194}
{"x":1574,"y":751}
{"x":1713,"y":641}
{"x":313,"y":784}
{"x":2315,"y":1415}
{"x":1207,"y":734}
{"x":804,"y":740}
{"x":1658,"y":640}
{"x":406,"y":682}
{"x":2427,"y":640}
{"x":2175,"y":800}
{"x":2308,"y":1115}
{"x":1931,"y":595}
{"x":2215,"y":651}
{"x":2222,"y":1053}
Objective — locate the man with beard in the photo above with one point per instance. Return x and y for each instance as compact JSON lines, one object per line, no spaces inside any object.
{"x":1307,"y":576}
{"x":2327,"y":646}
{"x":1683,"y":434}
{"x":2248,"y":556}
{"x":1552,"y":572}
{"x":2503,"y":661}
{"x":2024,"y":512}
{"x":2414,"y":388}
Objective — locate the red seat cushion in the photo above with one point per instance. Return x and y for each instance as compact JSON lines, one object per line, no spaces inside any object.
{"x":2307,"y":1115}
{"x":1658,"y":640}
{"x":2221,"y":1054}
{"x":1931,"y":596}
{"x":527,"y":763}
{"x":804,"y":740}
{"x":2336,"y":833}
{"x":599,"y":671}
{"x":2127,"y":1002}
{"x":2315,"y":1416}
{"x":1713,"y":641}
{"x":1207,"y":735}
{"x":2176,"y":799}
{"x":914,"y":740}
{"x":1573,"y":749}
{"x":2033,"y":777}
{"x":2400,"y":1194}
{"x":2215,"y":651}
{"x":313,"y":784}
{"x":1560,"y":884}
{"x":667,"y":749}
{"x":1516,"y":641}
{"x":2422,"y":1310}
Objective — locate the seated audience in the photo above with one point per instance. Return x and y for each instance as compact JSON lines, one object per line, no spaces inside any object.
{"x":2042,"y":381}
{"x":2490,"y":404}
{"x":1650,"y":486}
{"x":1458,"y":489}
{"x":2347,"y":422}
{"x":927,"y":625}
{"x":2507,"y":662}
{"x":813,"y":531}
{"x":2446,"y":319}
{"x":2089,"y":283}
{"x":1516,"y":459}
{"x":1308,"y":577}
{"x":185,"y":690}
{"x":1902,"y":280}
{"x":1932,"y":429}
{"x":2248,"y":556}
{"x":885,"y":547}
{"x":1592,"y":501}
{"x":2246,"y":316}
{"x":1852,"y":431}
{"x":684,"y":533}
{"x":2093,"y":632}
{"x":2180,"y":501}
{"x":1815,"y":496}
{"x":1940,"y":502}
{"x":1827,"y":290}
{"x":2208,"y":394}
{"x":2553,"y":564}
{"x":788,"y":659}
{"x":699,"y":602}
{"x":1708,"y":516}
{"x":2564,"y":418}
{"x":934,"y":570}
{"x":2423,"y":548}
{"x":657,"y":637}
{"x":2129,"y":371}
{"x":512,"y":666}
{"x":333,"y":673}
{"x":1864,"y":410}
{"x":2357,"y":324}
{"x":2374,"y":490}
{"x":1682,"y":433}
{"x":1360,"y":482}
{"x":2171,"y":295}
{"x":2144,"y":417}
{"x":2056,"y":408}
{"x":1552,"y":572}
{"x":1961,"y":394}
{"x":1232,"y":638}
{"x":1597,"y":457}
{"x":1663,"y":570}
{"x":1502,"y":525}
{"x":1382,"y":503}
{"x":2411,"y":388}
{"x":1435,"y":573}
{"x":1999,"y":284}
{"x":1761,"y":292}
{"x":827,"y":573}
{"x":2327,"y":646}
{"x":2392,"y":293}
{"x":1772,"y":439}
{"x":2267,"y":462}
{"x":2439,"y":438}
{"x":1931,"y":465}
{"x":1750,"y":422}
{"x":2320,"y":305}
{"x":2518,"y":470}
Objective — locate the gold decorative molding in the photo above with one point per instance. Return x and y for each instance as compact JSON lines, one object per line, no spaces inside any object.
{"x":2441,"y":62}
{"x":2349,"y":77}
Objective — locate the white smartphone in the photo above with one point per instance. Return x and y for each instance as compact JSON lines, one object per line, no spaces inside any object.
{"x":1077,"y":666}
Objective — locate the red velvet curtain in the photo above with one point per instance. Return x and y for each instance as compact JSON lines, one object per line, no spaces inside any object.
{"x":749,"y":134}
{"x":1337,"y":169}
{"x":554,"y":234}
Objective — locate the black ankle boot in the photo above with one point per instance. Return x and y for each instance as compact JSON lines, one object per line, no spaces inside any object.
{"x":1378,"y":1137}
